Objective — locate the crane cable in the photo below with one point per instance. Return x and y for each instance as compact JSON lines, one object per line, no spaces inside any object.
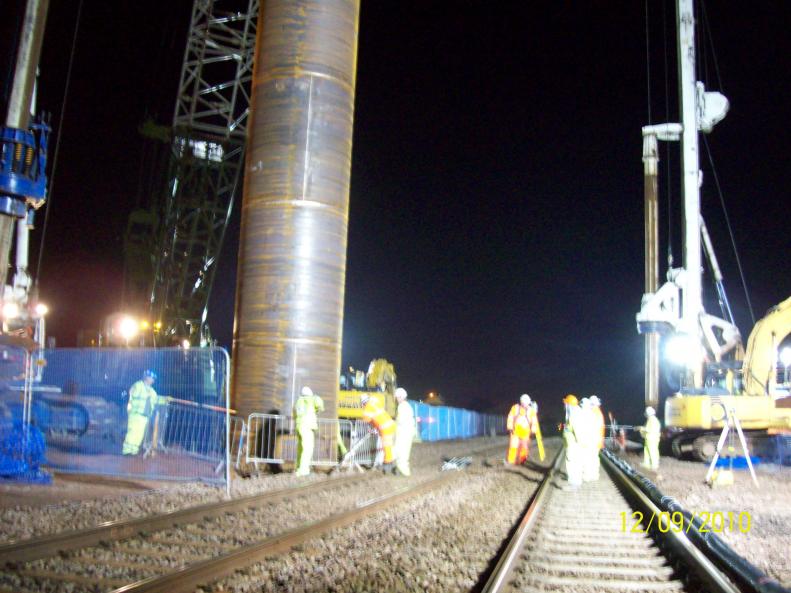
{"x":51,"y":190}
{"x":668,"y":161}
{"x":720,"y":194}
{"x":648,"y":63}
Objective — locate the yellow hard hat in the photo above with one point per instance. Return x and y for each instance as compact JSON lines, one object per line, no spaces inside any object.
{"x":570,"y":400}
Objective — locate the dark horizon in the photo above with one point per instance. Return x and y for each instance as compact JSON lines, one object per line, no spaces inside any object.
{"x":496,"y":209}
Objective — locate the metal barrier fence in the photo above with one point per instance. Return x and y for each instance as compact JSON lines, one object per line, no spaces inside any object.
{"x":436,"y":423}
{"x":272,"y":439}
{"x":365,"y":448}
{"x":81,"y":402}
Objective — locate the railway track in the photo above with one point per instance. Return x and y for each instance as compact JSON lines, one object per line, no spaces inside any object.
{"x":588,"y":540}
{"x":184,"y":549}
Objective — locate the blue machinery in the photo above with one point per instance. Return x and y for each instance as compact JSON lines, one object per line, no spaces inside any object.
{"x":23,"y":161}
{"x":23,"y":188}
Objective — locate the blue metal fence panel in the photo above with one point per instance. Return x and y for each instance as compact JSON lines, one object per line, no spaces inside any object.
{"x":82,"y":408}
{"x":436,"y":423}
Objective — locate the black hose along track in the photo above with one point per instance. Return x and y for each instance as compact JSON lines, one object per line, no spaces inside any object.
{"x":588,"y":540}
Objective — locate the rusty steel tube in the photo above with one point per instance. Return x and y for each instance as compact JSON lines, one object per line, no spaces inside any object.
{"x":650,"y":193}
{"x":292,"y":252}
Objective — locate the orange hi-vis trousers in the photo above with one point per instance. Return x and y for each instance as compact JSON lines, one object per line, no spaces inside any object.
{"x":518,"y":448}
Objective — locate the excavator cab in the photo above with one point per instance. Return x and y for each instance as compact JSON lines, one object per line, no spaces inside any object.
{"x":379,"y":383}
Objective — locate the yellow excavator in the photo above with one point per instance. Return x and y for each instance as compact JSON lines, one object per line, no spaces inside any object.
{"x":379,"y":383}
{"x":761,"y":403}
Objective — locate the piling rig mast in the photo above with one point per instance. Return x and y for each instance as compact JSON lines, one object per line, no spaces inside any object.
{"x":172,"y":248}
{"x":716,"y":379}
{"x":23,"y":181}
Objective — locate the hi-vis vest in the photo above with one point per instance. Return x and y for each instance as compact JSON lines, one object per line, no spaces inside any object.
{"x":306,"y":411}
{"x":653,"y":428}
{"x":142,"y":399}
{"x":521,"y":421}
{"x":380,"y":419}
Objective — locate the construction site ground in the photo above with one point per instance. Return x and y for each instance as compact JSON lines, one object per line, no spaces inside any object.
{"x":767,"y":544}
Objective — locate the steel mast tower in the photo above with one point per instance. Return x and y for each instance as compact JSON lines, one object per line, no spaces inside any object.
{"x":183,"y":235}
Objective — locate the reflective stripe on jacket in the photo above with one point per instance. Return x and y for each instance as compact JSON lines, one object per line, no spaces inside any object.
{"x":521,"y":420}
{"x":380,"y":419}
{"x":142,"y":399}
{"x":306,"y":410}
{"x":652,"y":429}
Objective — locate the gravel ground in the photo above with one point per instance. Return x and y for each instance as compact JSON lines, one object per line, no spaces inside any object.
{"x":20,"y":522}
{"x":443,"y":541}
{"x":768,"y":543}
{"x":132,"y":559}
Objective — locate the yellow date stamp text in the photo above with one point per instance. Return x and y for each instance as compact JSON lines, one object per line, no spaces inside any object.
{"x":708,"y":522}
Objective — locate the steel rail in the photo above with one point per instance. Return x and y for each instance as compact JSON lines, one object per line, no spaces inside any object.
{"x":505,"y":564}
{"x":46,"y":546}
{"x":693,"y":558}
{"x":186,"y":579}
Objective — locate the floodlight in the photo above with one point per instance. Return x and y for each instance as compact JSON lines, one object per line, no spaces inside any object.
{"x":10,"y":310}
{"x":683,"y":350}
{"x":128,"y":328}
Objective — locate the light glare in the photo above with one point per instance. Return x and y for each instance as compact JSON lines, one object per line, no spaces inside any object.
{"x":785,"y":356}
{"x":10,"y":310}
{"x":127,"y":328}
{"x":683,"y":350}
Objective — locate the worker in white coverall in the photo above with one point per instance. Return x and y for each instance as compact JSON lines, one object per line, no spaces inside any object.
{"x":588,"y":434}
{"x":597,"y":436}
{"x":142,"y":399}
{"x":306,"y":411}
{"x":571,"y":441}
{"x":651,"y":432}
{"x":404,"y":432}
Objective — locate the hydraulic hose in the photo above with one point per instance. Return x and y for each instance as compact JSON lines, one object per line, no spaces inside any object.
{"x":748,"y":576}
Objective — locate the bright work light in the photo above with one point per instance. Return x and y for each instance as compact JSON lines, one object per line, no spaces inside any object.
{"x":10,"y":310}
{"x":127,"y":327}
{"x":683,"y":350}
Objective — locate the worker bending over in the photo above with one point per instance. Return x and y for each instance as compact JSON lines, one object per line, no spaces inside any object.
{"x":306,"y":419}
{"x":571,"y":440}
{"x":404,"y":432}
{"x":142,"y":400}
{"x":521,"y":422}
{"x":375,"y":415}
{"x":651,"y":432}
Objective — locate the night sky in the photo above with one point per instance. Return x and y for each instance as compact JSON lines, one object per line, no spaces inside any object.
{"x":496,"y":224}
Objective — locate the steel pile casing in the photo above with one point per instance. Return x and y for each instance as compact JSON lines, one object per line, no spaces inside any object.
{"x":292,"y":252}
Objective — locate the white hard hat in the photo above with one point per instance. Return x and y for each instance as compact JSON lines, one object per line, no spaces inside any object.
{"x":594,"y":399}
{"x":400,"y":393}
{"x":649,"y":411}
{"x":524,"y":399}
{"x":306,"y":391}
{"x":585,"y":402}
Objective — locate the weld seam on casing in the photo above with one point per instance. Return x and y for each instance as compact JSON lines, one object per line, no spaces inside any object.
{"x":292,"y":73}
